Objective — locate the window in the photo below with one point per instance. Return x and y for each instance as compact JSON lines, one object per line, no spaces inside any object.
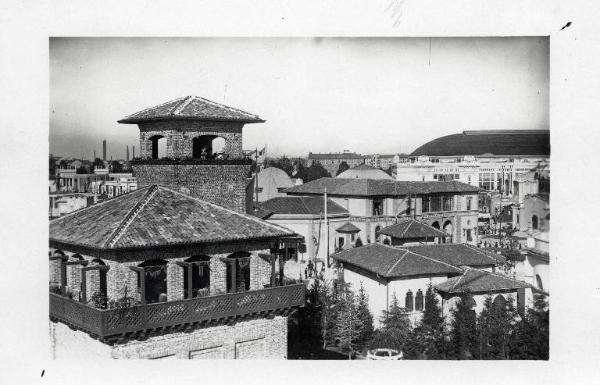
{"x":469,"y":202}
{"x":377,"y":235}
{"x":159,"y":146}
{"x":419,"y":300}
{"x":447,"y":203}
{"x":377,"y":207}
{"x":408,"y":302}
{"x":500,"y":302}
{"x":486,"y":181}
{"x":259,"y":189}
{"x":534,"y":222}
{"x":435,"y":204}
{"x":240,"y":261}
{"x":281,"y":189}
{"x":425,"y":204}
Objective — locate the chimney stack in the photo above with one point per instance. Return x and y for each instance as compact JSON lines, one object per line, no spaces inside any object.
{"x":127,"y":154}
{"x":133,"y":153}
{"x":104,"y":150}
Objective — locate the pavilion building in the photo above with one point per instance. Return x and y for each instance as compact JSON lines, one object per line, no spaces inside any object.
{"x":175,"y":269}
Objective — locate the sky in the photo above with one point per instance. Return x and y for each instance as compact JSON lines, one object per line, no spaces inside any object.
{"x":366,"y":95}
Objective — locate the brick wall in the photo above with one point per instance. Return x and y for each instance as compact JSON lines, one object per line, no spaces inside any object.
{"x":174,"y":280}
{"x":222,"y":184}
{"x":180,"y":134}
{"x":121,"y":278}
{"x":252,"y":339}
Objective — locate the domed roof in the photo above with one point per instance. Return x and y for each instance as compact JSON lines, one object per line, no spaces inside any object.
{"x":274,"y":175}
{"x":364,"y":171}
{"x":490,"y":142}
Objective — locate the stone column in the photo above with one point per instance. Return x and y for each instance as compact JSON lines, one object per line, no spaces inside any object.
{"x":218,"y":276}
{"x":174,"y":281}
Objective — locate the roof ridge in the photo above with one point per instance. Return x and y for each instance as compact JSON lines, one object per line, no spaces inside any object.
{"x":178,"y":108}
{"x":153,"y":107}
{"x":435,"y":260}
{"x":225,"y":106}
{"x":479,"y":251}
{"x":131,"y":215}
{"x":460,"y":277}
{"x":55,"y":220}
{"x":501,"y":276}
{"x":396,"y":263}
{"x":250,"y":217}
{"x":410,"y":223}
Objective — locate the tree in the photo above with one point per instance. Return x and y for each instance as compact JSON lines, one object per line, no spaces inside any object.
{"x":81,"y":170}
{"x":531,"y":340}
{"x":496,"y":328}
{"x":348,"y":324}
{"x":463,"y":333}
{"x":116,"y":167}
{"x":305,"y":337}
{"x":283,"y":163}
{"x":342,"y":167}
{"x":395,"y":330}
{"x":428,"y":337}
{"x":365,"y":316}
{"x":98,"y":163}
{"x":315,"y":171}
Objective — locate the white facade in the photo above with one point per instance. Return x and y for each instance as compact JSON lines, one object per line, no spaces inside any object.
{"x":492,"y":173}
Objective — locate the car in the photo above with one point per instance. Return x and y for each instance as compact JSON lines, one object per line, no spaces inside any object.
{"x":384,"y":354}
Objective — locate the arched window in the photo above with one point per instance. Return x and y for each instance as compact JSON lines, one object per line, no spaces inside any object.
{"x":241,"y":263}
{"x":534,"y":222}
{"x":436,"y":224}
{"x":159,"y":146}
{"x":500,"y":302}
{"x":539,"y":282}
{"x":200,"y":273}
{"x":408,"y":302}
{"x":207,"y":146}
{"x":448,"y":227}
{"x":419,"y":300}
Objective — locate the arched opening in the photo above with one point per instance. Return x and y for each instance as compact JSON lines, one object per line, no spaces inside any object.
{"x":198,"y":269}
{"x":538,"y":280}
{"x":408,"y":301}
{"x":77,"y":257}
{"x":534,"y":222}
{"x":500,"y":302}
{"x":240,"y":266}
{"x":155,"y":282}
{"x":419,"y":300}
{"x":159,"y":146}
{"x":436,"y":224}
{"x":102,"y":276}
{"x":448,"y":227}
{"x":208,"y":147}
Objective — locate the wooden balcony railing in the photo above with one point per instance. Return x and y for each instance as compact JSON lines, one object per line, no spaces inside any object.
{"x":104,"y":323}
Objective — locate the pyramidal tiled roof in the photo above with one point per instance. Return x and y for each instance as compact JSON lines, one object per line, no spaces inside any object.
{"x":302,"y":206}
{"x":157,"y":216}
{"x":411,"y":229}
{"x":458,"y":254}
{"x":479,"y":281}
{"x":394,"y":262}
{"x":192,"y":108}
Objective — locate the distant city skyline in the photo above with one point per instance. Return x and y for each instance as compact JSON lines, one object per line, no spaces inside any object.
{"x":365,"y":95}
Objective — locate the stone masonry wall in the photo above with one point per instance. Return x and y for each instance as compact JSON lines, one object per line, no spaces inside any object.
{"x":222,"y":184}
{"x":252,"y":339}
{"x":179,"y":135}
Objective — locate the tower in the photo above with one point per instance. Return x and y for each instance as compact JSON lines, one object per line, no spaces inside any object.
{"x":127,"y":154}
{"x":194,"y":145}
{"x":104,"y":150}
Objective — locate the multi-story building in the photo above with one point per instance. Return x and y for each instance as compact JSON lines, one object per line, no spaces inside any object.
{"x":331,"y":161}
{"x":491,"y":159}
{"x":382,"y":161}
{"x":375,"y":203}
{"x":164,"y":272}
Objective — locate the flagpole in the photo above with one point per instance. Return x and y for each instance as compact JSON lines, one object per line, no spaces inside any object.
{"x":326,"y":227}
{"x":256,"y":177}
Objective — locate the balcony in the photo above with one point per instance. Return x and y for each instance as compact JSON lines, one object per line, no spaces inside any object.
{"x":113,"y":322}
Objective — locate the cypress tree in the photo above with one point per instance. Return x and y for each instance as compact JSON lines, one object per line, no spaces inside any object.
{"x":463,"y":333}
{"x":429,"y":335}
{"x":365,"y":316}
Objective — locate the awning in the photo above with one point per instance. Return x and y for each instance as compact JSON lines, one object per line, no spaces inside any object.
{"x":348,"y":228}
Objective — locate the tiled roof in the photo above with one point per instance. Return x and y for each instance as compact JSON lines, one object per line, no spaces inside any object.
{"x":347,"y":228}
{"x":495,"y":142}
{"x":302,"y":206}
{"x":479,"y":281}
{"x":378,"y":187}
{"x":192,"y":108}
{"x":458,"y":254}
{"x":157,"y":216}
{"x":393,"y":262}
{"x":411,"y":229}
{"x":344,"y":155}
